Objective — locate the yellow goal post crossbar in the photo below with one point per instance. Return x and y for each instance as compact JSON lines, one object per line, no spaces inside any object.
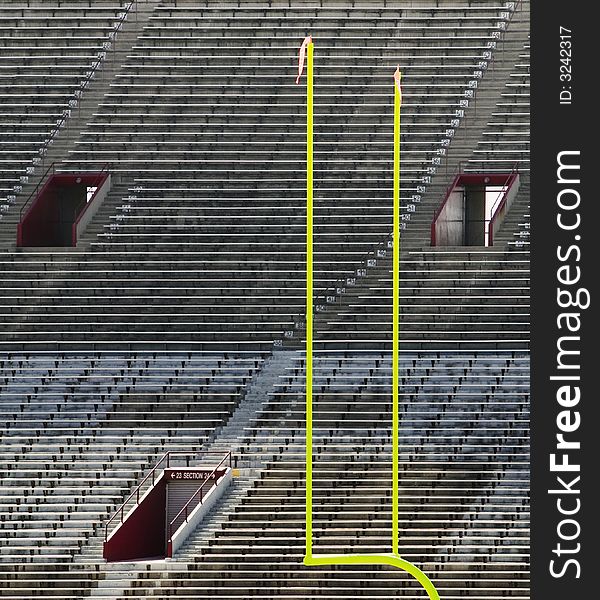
{"x":393,"y":559}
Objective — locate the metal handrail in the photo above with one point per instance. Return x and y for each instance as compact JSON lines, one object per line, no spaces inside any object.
{"x":198,"y":491}
{"x":136,"y":491}
{"x":97,"y":181}
{"x":500,"y":201}
{"x":513,"y":172}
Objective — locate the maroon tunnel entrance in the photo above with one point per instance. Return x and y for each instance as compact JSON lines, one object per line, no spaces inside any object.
{"x":52,"y":218}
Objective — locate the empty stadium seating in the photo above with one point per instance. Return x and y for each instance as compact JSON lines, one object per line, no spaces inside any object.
{"x":49,"y":56}
{"x":79,"y":431}
{"x":464,"y":474}
{"x":199,"y":93}
{"x":178,"y":322}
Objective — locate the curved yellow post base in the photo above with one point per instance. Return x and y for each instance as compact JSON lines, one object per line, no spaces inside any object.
{"x":392,"y":560}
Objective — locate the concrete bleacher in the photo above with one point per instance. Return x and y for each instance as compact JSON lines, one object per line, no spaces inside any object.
{"x":505,"y":143}
{"x":200,"y":92}
{"x":117,"y":351}
{"x":79,"y":431}
{"x":49,"y":54}
{"x":451,"y":296}
{"x":463,"y":482}
{"x":463,"y":465}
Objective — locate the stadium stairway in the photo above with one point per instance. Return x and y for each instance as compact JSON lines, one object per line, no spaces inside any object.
{"x":29,"y":134}
{"x":449,"y":402}
{"x":464,"y":414}
{"x":451,"y":483}
{"x":105,"y":301}
{"x":449,"y":298}
{"x":80,"y":432}
{"x":506,"y":139}
{"x":489,"y":105}
{"x":114,"y":578}
{"x":514,"y":233}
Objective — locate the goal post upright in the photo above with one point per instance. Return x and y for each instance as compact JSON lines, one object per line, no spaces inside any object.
{"x":396,"y":315}
{"x":392,"y":559}
{"x":309,"y":292}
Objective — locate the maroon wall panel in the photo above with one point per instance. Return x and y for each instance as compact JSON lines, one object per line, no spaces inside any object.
{"x":143,"y":534}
